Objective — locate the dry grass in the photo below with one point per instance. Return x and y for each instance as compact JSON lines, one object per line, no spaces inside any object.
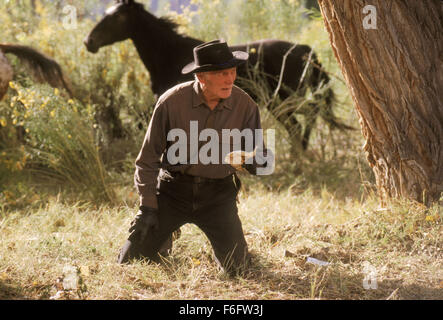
{"x":402,"y":243}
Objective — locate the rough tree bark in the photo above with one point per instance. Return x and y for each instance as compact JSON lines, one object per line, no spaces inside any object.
{"x":394,"y":73}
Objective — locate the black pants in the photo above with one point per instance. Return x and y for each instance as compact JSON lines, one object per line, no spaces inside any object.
{"x":209,"y":204}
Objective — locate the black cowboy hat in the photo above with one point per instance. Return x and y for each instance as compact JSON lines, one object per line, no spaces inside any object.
{"x":214,"y":55}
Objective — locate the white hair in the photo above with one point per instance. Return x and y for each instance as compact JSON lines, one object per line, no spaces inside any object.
{"x":196,"y":75}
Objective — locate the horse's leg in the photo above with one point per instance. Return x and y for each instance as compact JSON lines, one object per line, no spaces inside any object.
{"x":310,"y":117}
{"x":294,"y":130}
{"x":292,"y":125}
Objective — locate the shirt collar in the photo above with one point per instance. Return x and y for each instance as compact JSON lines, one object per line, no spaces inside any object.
{"x":198,"y":100}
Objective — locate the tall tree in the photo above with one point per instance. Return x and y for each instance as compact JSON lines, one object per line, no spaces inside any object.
{"x":390,"y":53}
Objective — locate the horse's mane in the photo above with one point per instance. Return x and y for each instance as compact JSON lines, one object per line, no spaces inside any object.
{"x":44,"y":69}
{"x":165,"y":23}
{"x":169,"y":23}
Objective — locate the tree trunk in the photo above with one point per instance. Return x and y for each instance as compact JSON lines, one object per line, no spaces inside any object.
{"x":394,"y":73}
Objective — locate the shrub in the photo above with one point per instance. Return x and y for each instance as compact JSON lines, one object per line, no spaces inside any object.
{"x":113,"y":80}
{"x":59,"y":139}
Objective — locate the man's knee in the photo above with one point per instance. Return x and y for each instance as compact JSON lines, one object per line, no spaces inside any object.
{"x":234,"y":261}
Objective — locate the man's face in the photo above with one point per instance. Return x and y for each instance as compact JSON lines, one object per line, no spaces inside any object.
{"x":217,"y":84}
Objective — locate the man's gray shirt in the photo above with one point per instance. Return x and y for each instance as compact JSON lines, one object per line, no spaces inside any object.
{"x":183,"y":107}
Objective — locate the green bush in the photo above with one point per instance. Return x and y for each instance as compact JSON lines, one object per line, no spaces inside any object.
{"x":59,"y":140}
{"x":113,"y":80}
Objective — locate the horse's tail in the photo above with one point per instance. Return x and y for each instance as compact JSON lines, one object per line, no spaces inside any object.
{"x":6,"y":74}
{"x":43,"y":68}
{"x":321,"y":79}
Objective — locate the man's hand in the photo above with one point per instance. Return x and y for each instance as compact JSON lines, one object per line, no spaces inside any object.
{"x":237,"y":159}
{"x":145,"y":220}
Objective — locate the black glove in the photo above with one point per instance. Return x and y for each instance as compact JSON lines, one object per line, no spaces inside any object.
{"x":252,"y":167}
{"x":146,"y":219}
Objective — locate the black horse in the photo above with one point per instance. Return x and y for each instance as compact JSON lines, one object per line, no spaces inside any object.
{"x":164,"y":52}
